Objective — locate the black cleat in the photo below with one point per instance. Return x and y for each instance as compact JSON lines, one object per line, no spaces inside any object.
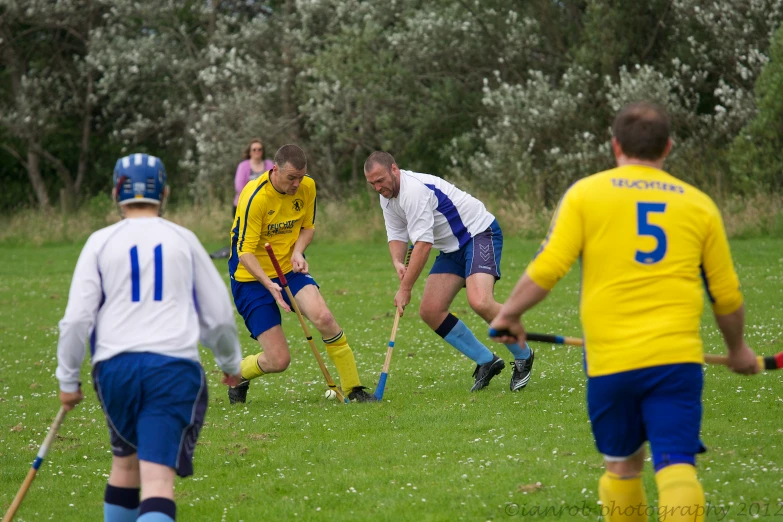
{"x":238,"y":393}
{"x":521,"y":374}
{"x":359,"y":395}
{"x":484,"y":372}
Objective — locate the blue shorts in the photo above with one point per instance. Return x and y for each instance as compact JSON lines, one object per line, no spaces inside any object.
{"x":154,"y":406}
{"x":661,"y":404}
{"x":257,"y":306}
{"x":481,"y":255}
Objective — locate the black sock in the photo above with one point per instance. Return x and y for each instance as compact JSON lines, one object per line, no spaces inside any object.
{"x":123,"y":497}
{"x":159,"y":505}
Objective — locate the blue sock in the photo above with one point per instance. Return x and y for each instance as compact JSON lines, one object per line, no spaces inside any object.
{"x":158,"y":509}
{"x":120,"y":504}
{"x":518,"y":352}
{"x":458,"y":335}
{"x":114,"y":513}
{"x":154,"y":516}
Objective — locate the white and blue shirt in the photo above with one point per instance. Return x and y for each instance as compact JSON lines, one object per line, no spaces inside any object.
{"x":432,"y":210}
{"x":145,"y":285}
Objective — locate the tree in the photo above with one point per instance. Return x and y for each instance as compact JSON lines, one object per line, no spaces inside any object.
{"x":698,"y":59}
{"x":51,"y":86}
{"x":514,"y":95}
{"x":756,"y":162}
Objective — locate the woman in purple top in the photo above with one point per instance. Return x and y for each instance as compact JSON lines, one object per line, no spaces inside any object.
{"x":251,"y":167}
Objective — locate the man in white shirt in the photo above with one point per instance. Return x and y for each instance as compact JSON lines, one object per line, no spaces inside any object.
{"x":145,"y":291}
{"x":431,"y":212}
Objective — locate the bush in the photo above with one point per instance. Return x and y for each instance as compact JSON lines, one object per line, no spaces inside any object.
{"x":756,"y":161}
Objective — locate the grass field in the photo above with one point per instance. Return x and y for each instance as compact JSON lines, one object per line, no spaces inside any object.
{"x":430,"y":451}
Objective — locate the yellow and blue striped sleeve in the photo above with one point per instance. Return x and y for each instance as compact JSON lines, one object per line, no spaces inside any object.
{"x":563,"y":243}
{"x":720,"y":278}
{"x":252,"y":223}
{"x":308,"y":221}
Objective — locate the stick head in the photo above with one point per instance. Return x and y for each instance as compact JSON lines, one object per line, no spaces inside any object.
{"x":773,"y":362}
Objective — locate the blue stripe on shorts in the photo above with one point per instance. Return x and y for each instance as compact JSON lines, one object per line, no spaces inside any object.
{"x":481,"y":255}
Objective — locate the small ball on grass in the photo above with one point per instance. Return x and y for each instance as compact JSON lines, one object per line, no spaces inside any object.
{"x":330,"y":394}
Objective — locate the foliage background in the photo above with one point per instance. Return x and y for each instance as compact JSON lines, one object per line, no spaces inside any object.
{"x":513,"y":97}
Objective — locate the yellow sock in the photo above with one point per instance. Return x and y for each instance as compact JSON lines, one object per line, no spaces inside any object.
{"x":622,"y":499}
{"x":341,"y":355}
{"x":249,"y":367}
{"x":680,"y":495}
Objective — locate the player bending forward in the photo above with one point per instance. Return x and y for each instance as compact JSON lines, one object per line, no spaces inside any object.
{"x":432,"y":212}
{"x":279,"y":208}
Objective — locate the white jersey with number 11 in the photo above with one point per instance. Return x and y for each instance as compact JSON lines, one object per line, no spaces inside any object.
{"x":145,"y":285}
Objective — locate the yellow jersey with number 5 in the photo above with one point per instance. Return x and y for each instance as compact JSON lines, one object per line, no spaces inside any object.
{"x":648,"y":244}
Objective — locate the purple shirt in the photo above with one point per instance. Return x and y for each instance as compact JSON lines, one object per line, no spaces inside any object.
{"x":245,"y":174}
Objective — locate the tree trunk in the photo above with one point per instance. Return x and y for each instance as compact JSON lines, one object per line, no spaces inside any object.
{"x":289,"y":74}
{"x":34,"y":173}
{"x":355,"y":166}
{"x":213,"y":18}
{"x":62,"y":172}
{"x":16,"y":66}
{"x":540,"y":190}
{"x":84,"y":148}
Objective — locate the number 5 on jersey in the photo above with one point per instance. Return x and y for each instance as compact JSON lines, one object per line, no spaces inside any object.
{"x":136,"y":276}
{"x":645,"y":228}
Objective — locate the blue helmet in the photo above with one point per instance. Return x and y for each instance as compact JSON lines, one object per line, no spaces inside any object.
{"x":139,"y":178}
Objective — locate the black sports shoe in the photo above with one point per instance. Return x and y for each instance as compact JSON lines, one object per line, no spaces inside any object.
{"x":484,"y":372}
{"x":238,"y":393}
{"x":521,"y":374}
{"x":359,"y":395}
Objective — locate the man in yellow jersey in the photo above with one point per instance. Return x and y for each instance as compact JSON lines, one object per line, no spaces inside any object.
{"x":279,"y":208}
{"x":648,"y":245}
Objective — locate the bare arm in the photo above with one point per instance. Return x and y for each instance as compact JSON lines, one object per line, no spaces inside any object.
{"x":298,"y":260}
{"x":419,"y":256}
{"x":305,"y":238}
{"x":741,"y":358}
{"x":398,"y":249}
{"x":526,"y":295}
{"x":558,"y":252}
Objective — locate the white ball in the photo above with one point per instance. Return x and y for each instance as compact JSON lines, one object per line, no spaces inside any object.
{"x":330,"y":394}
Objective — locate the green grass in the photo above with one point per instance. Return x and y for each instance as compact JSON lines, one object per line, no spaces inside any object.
{"x":430,"y":451}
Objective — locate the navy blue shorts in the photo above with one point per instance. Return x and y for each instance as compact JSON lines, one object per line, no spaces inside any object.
{"x":257,"y":306}
{"x":154,"y":406}
{"x":661,"y":404}
{"x":480,"y":256}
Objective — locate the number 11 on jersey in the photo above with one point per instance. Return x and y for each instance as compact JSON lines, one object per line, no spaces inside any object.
{"x":136,"y":276}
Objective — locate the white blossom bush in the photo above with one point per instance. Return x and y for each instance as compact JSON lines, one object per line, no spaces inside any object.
{"x":541,"y":134}
{"x":517,"y":96}
{"x":406,"y":77}
{"x":192,"y":85}
{"x":535,"y":139}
